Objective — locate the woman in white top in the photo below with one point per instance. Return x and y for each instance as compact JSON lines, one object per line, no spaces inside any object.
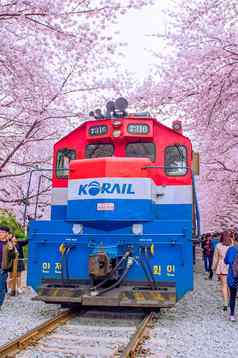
{"x":220,"y":267}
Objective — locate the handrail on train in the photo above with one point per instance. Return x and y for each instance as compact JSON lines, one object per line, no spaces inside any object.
{"x":164,"y":167}
{"x":197,"y":212}
{"x":38,"y":190}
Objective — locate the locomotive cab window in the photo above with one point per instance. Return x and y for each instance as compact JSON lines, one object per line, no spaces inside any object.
{"x":141,"y":150}
{"x":176,"y":160}
{"x":64,"y":157}
{"x":99,"y":150}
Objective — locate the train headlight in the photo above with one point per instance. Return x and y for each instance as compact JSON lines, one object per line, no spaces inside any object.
{"x":137,"y":229}
{"x":116,"y":133}
{"x":116,"y":123}
{"x":77,"y":229}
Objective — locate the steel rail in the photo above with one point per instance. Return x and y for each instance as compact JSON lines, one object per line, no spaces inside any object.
{"x":131,"y":349}
{"x":15,"y":346}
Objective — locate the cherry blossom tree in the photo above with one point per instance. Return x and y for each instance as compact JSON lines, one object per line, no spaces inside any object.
{"x":52,"y":54}
{"x":197,"y":80}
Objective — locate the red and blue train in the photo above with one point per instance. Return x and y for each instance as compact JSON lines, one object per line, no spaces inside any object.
{"x":123,"y":214}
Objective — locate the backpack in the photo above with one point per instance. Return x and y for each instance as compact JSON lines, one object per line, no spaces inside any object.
{"x":235,"y":267}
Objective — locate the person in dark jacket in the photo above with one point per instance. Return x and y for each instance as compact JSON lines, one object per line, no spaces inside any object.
{"x":19,"y":245}
{"x":208,"y":251}
{"x":232,"y":282}
{"x":7,"y":255}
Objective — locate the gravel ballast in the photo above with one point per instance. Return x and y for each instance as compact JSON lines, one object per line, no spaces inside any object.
{"x":20,"y":313}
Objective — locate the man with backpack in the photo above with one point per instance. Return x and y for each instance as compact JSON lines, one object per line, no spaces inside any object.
{"x":231,"y":259}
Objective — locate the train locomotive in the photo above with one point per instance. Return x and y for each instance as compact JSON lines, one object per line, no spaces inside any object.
{"x":123,"y":215}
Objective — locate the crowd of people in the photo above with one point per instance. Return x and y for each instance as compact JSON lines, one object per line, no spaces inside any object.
{"x":220,"y":256}
{"x":10,"y":250}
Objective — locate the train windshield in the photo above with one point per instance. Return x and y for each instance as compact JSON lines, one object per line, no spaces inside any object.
{"x":176,"y":160}
{"x":64,"y":157}
{"x":98,"y":150}
{"x":141,"y":150}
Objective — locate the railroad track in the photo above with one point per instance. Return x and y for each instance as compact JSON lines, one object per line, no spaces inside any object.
{"x":32,"y":336}
{"x":136,"y":342}
{"x":87,"y":334}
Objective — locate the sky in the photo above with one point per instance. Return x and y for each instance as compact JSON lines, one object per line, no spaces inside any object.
{"x":136,"y":28}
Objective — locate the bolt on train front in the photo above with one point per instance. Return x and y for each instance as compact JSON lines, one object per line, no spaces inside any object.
{"x":122,"y":215}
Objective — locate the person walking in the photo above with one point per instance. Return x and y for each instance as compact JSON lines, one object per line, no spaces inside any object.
{"x":220,"y":267}
{"x":208,"y":252}
{"x":231,"y":259}
{"x":7,"y":255}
